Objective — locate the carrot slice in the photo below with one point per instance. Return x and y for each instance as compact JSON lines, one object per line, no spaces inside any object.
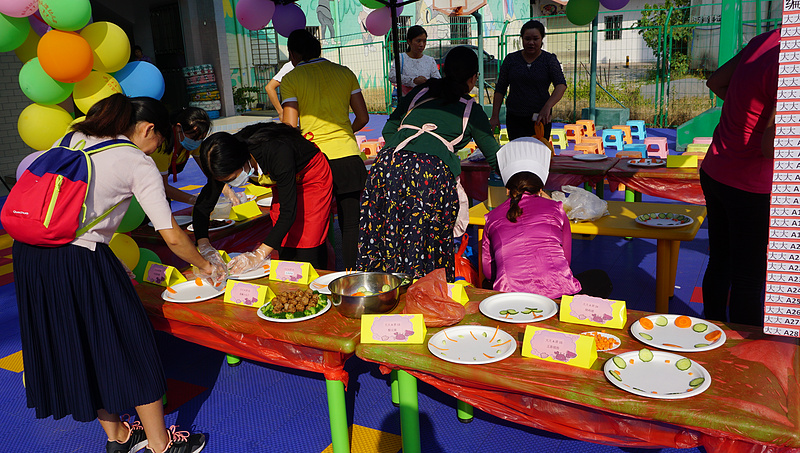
{"x":473,"y":335}
{"x":445,"y":335}
{"x":501,"y":344}
{"x":488,"y":356}
{"x":357,"y":294}
{"x":646,"y":323}
{"x":683,"y":322}
{"x":169,"y":288}
{"x":713,"y":336}
{"x":437,"y":347}
{"x":495,"y":334}
{"x":198,"y":281}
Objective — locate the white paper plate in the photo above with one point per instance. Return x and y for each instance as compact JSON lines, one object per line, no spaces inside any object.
{"x":265,"y":202}
{"x":181,"y":220}
{"x":190,"y":291}
{"x":518,"y":307}
{"x":590,"y":157}
{"x":664,"y":220}
{"x":665,"y":376}
{"x":260,"y":272}
{"x":647,"y":162}
{"x":613,"y":338}
{"x":321,"y":283}
{"x":472,"y":345}
{"x":696,"y":334}
{"x":324,"y":309}
{"x":228,"y":222}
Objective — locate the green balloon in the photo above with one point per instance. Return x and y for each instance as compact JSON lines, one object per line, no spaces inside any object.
{"x":133,"y":217}
{"x":67,"y":15}
{"x":374,"y":4}
{"x":40,"y":87}
{"x":13,"y":32}
{"x":145,"y":255}
{"x":582,"y":12}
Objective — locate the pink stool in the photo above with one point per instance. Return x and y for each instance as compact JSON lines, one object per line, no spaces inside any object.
{"x":381,"y":142}
{"x":703,"y":140}
{"x":656,"y":147}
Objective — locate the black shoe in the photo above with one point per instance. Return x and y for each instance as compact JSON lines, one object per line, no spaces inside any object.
{"x":183,"y":442}
{"x":137,"y":439}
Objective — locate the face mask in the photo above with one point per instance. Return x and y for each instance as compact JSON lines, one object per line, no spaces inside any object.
{"x":190,"y":144}
{"x":242,"y":179}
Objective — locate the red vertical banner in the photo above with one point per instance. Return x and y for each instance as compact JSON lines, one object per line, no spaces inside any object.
{"x":782,"y":307}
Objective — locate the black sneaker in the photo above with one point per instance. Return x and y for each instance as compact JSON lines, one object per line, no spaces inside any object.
{"x":183,"y":442}
{"x":137,"y":439}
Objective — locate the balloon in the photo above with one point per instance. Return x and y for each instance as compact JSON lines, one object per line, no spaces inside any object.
{"x":614,"y":4}
{"x":145,"y":255}
{"x":133,"y":217}
{"x":40,"y":126}
{"x":254,"y":14}
{"x":13,"y":32}
{"x":374,"y":4}
{"x":110,"y":46}
{"x":27,"y":50}
{"x":40,"y":87}
{"x":582,"y":12}
{"x":379,"y":21}
{"x":65,"y":56}
{"x":125,"y":248}
{"x":69,"y":15}
{"x":95,"y":87}
{"x":19,"y":8}
{"x":38,"y":24}
{"x":26,"y":162}
{"x":140,"y":78}
{"x":288,"y":18}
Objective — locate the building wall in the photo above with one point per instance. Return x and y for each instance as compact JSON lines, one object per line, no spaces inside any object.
{"x":12,"y":148}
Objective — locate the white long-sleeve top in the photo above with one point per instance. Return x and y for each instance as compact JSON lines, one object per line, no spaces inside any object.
{"x":413,"y":68}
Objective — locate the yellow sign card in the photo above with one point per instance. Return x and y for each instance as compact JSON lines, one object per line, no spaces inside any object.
{"x":682,"y":161}
{"x":249,"y":294}
{"x":292,"y":272}
{"x":161,"y":274}
{"x":399,"y":328}
{"x":225,"y":257}
{"x":245,"y":211}
{"x":560,"y":347}
{"x":457,"y":293}
{"x":593,"y":311}
{"x":252,"y":189}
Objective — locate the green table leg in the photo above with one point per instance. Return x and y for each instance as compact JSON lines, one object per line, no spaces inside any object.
{"x":600,"y":189}
{"x":395,"y":391}
{"x":464,"y":412}
{"x":409,"y":412}
{"x":637,"y":197}
{"x":337,"y":412}
{"x":587,"y":186}
{"x":164,"y":400}
{"x":629,"y":195}
{"x":233,"y":360}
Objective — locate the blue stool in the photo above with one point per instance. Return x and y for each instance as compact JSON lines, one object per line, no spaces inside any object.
{"x":638,"y":130}
{"x":636,"y":147}
{"x":613,"y":137}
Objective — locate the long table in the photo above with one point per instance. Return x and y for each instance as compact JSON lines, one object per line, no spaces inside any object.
{"x":753,"y":403}
{"x":620,"y":222}
{"x":320,"y":345}
{"x":681,"y":184}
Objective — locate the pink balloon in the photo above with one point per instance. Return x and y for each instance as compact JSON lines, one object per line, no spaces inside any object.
{"x":614,"y":4}
{"x":39,"y":26}
{"x":254,"y":14}
{"x":19,"y":8}
{"x":26,"y":162}
{"x":288,"y":18}
{"x":379,"y":21}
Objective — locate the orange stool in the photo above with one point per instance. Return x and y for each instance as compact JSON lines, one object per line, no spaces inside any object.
{"x":370,"y":148}
{"x":597,"y":140}
{"x":588,"y":127}
{"x":629,"y":154}
{"x":627,"y":138}
{"x":587,"y":148}
{"x":573,"y":132}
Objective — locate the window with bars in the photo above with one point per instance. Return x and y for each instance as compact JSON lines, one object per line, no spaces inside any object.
{"x":403,"y":24}
{"x":314,"y":30}
{"x":459,"y":28}
{"x":614,"y":27}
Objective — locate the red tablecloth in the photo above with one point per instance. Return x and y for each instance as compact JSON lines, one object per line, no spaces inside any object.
{"x":682,"y":184}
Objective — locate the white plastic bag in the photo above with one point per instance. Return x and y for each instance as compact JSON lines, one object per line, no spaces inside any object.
{"x":581,"y":204}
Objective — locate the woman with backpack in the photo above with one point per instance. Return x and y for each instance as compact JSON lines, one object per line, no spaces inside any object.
{"x":88,"y":346}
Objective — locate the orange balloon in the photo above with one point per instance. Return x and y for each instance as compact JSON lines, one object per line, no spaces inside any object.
{"x":65,"y":56}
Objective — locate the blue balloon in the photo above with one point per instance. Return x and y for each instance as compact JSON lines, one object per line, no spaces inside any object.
{"x":140,"y":78}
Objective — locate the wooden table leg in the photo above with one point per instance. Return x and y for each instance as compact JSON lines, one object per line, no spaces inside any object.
{"x":675,"y":248}
{"x":663,"y":271}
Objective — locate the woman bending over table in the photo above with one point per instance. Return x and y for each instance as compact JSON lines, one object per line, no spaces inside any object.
{"x":527,"y":241}
{"x":410,"y":204}
{"x":529,"y":73}
{"x":415,"y":68}
{"x":87,"y":344}
{"x":302,"y":194}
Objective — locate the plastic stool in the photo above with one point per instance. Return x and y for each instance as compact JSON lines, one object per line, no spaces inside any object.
{"x":629,"y":154}
{"x":573,"y":132}
{"x":597,"y":140}
{"x":627,"y":130}
{"x":370,"y":148}
{"x":637,"y":147}
{"x":381,"y":142}
{"x":657,"y":147}
{"x":360,"y":139}
{"x":588,"y":127}
{"x":612,"y":137}
{"x":704,"y":140}
{"x":558,"y":138}
{"x":638,"y":130}
{"x":587,"y":148}
{"x":697,"y":148}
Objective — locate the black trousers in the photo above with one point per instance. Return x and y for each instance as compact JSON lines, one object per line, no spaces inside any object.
{"x":523,"y":126}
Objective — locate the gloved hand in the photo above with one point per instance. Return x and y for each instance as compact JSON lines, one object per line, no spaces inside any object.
{"x":236,"y":198}
{"x":219,"y":272}
{"x":248,"y":261}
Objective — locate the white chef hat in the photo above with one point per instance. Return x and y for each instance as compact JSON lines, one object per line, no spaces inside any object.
{"x":524,"y":154}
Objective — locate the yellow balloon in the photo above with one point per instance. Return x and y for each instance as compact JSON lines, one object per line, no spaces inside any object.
{"x":125,"y":248}
{"x":40,"y":126}
{"x":109,"y":44}
{"x":27,"y":50}
{"x":95,"y":87}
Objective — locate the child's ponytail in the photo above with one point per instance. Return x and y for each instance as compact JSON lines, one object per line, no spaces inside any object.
{"x":519,"y":184}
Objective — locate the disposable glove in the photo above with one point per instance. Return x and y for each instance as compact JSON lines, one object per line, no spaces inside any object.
{"x":248,"y":261}
{"x":219,"y":272}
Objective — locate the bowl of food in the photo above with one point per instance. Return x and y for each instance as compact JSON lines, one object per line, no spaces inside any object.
{"x":365,"y":293}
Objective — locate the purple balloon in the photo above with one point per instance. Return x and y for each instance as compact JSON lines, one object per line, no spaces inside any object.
{"x":39,"y":26}
{"x":26,"y":162}
{"x":254,"y":14}
{"x":614,"y":4}
{"x":379,"y":21}
{"x":288,"y":18}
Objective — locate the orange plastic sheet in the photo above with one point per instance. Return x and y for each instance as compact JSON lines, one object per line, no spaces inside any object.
{"x":321,"y":344}
{"x":682,"y":184}
{"x":753,"y":404}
